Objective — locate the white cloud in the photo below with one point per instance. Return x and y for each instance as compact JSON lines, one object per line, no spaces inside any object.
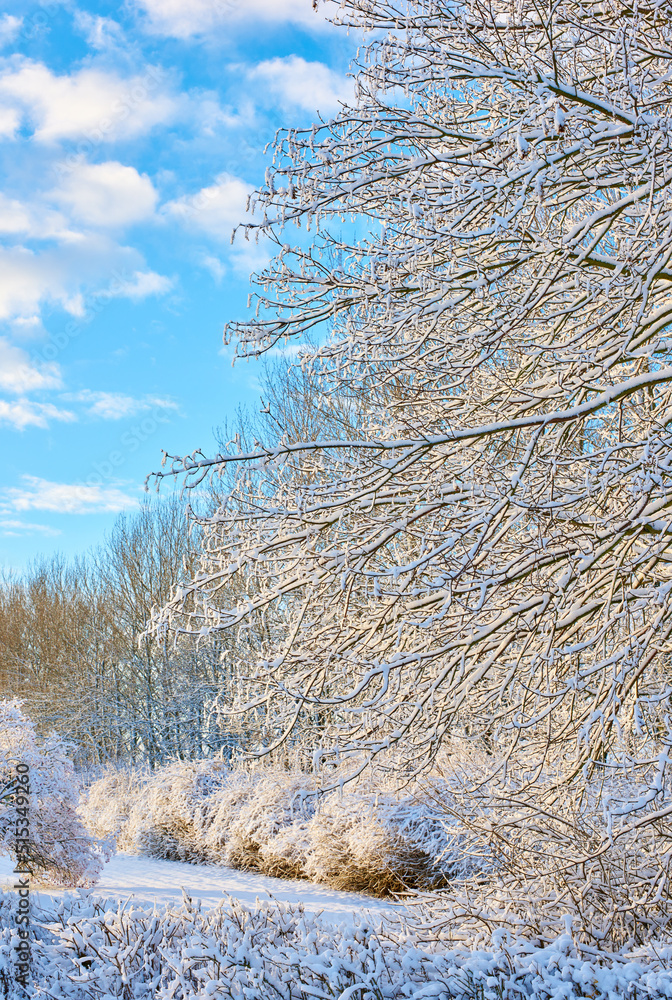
{"x":62,"y":276}
{"x":187,"y":18}
{"x":216,"y":209}
{"x":67,"y":498}
{"x":214,"y":265}
{"x":10,"y":121}
{"x":140,"y":285}
{"x":9,"y":28}
{"x":11,"y":528}
{"x":28,"y":278}
{"x":98,"y":105}
{"x":35,"y":221}
{"x":14,"y":216}
{"x":24,"y":413}
{"x":18,"y":375}
{"x":99,"y":197}
{"x":102,"y":33}
{"x":27,"y":326}
{"x":308,"y":85}
{"x":116,"y":405}
{"x":106,"y":194}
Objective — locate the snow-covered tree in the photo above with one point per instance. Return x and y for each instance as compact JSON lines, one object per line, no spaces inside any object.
{"x":125,"y":700}
{"x":487,"y":555}
{"x":39,"y":793}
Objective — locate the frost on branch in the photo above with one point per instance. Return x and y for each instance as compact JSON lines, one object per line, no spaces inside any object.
{"x":58,"y":847}
{"x":485,"y":553}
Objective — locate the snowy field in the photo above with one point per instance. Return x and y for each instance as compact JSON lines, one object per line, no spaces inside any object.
{"x":147,"y":881}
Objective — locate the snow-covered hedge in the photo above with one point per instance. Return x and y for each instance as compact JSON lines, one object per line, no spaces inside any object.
{"x":39,"y":795}
{"x":366,"y":838}
{"x":88,"y":951}
{"x":446,"y":834}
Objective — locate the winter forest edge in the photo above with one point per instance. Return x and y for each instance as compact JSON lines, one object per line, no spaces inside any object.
{"x":414,"y":636}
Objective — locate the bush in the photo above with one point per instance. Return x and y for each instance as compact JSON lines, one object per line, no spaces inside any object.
{"x":276,"y":822}
{"x":109,"y":800}
{"x":58,"y":847}
{"x":171,"y":810}
{"x":91,"y":951}
{"x":371,"y":842}
{"x":271,"y":826}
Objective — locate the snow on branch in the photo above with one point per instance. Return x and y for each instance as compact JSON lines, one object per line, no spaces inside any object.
{"x":486,"y":551}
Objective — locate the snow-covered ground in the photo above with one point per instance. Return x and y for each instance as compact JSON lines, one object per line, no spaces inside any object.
{"x":148,"y":881}
{"x":275,"y":949}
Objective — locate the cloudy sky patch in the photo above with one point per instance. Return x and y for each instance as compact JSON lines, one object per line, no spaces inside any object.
{"x":131,"y":138}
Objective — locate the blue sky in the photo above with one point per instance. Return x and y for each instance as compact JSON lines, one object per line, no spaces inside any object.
{"x":130,"y":136}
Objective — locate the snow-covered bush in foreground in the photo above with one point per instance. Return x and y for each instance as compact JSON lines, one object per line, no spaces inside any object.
{"x":57,"y":848}
{"x":367,"y":838}
{"x":87,"y":951}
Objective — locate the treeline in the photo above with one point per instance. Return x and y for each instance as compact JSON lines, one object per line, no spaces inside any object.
{"x":71,"y":647}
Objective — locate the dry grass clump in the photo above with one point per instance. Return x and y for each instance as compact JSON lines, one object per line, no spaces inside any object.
{"x":377,"y":844}
{"x":107,"y":803}
{"x":163,"y":814}
{"x":276,"y":822}
{"x":268,"y":831}
{"x":284,"y":855}
{"x":175,"y":810}
{"x":231,"y":800}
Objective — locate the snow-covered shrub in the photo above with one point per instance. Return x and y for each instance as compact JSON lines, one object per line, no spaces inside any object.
{"x":582,"y":862}
{"x":231,"y":799}
{"x":55,"y":843}
{"x":89,"y":950}
{"x":372,"y":841}
{"x":285,"y":854}
{"x":270,"y":832}
{"x":206,"y":812}
{"x":274,"y":821}
{"x":172,"y":810}
{"x":106,"y":804}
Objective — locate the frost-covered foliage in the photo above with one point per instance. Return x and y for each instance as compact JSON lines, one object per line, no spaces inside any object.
{"x":88,"y":951}
{"x":58,"y":847}
{"x":274,"y":821}
{"x":486,"y":550}
{"x":108,"y":801}
{"x":373,"y":841}
{"x":535,"y":883}
{"x":441,"y":836}
{"x":262,"y":821}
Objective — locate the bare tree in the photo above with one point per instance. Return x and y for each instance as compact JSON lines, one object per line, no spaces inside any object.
{"x":71,"y":648}
{"x":487,"y":555}
{"x":56,"y":651}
